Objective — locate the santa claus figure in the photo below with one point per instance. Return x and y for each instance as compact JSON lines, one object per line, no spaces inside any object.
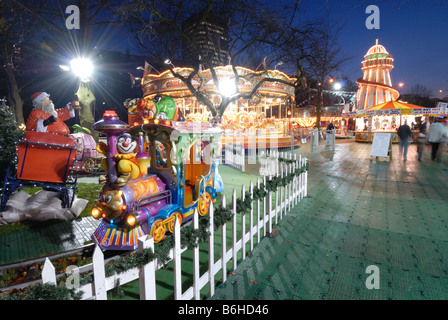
{"x":45,"y":118}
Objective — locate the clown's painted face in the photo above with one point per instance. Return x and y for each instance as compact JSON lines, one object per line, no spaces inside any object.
{"x":125,"y":144}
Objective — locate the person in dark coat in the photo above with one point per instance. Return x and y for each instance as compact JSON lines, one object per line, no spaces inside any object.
{"x":405,"y":133}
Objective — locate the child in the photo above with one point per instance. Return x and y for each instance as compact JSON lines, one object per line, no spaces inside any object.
{"x":421,"y":141}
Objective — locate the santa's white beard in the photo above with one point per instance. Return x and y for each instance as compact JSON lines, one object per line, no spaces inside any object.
{"x":48,"y":108}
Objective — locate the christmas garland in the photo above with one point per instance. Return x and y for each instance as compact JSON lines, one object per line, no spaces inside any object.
{"x":189,"y":238}
{"x":46,"y":291}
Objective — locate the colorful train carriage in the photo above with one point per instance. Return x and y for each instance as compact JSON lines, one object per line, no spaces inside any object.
{"x":87,"y":158}
{"x":174,"y":172}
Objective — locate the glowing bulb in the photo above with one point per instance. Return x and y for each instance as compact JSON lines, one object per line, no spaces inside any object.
{"x":131,"y":220}
{"x":96,"y":213}
{"x":82,"y":67}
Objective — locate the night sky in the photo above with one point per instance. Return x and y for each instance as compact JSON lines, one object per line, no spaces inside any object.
{"x":413,"y":31}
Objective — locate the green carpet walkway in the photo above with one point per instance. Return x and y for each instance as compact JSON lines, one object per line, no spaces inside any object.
{"x":362,"y":212}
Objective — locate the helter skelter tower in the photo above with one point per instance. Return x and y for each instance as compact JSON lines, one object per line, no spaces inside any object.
{"x":375,"y":86}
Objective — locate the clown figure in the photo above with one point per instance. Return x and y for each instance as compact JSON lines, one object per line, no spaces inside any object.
{"x":127,"y":166}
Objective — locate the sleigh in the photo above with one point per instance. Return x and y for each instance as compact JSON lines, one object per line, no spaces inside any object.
{"x":44,"y":160}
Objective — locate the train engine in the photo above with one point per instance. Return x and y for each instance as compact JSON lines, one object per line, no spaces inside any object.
{"x":174,"y":172}
{"x":128,"y":211}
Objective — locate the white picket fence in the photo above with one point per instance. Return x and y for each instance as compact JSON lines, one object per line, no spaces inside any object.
{"x":275,"y":206}
{"x":269,"y":163}
{"x":234,"y":152}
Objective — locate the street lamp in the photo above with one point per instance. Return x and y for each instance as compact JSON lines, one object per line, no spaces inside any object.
{"x":168,"y":61}
{"x":401,"y":84}
{"x":337,"y":86}
{"x":82,"y":68}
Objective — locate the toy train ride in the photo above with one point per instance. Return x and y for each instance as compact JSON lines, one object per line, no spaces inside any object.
{"x":174,"y":172}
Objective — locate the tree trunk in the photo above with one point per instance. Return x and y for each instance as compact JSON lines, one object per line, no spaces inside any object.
{"x":14,"y":99}
{"x":87,"y":102}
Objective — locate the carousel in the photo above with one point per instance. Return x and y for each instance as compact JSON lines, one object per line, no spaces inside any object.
{"x":262,"y":116}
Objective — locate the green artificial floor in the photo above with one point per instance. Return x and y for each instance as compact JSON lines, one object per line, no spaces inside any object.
{"x":363,"y":212}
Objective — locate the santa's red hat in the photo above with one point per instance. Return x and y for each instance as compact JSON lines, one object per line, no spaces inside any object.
{"x":39,"y":96}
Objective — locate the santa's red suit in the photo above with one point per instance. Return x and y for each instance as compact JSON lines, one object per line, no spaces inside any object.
{"x":37,"y":117}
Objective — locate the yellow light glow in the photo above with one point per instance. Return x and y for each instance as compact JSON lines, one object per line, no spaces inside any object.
{"x":96,"y":213}
{"x":131,"y":220}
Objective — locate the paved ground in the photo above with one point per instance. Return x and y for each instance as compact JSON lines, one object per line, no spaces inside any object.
{"x":363,"y":212}
{"x":46,"y":238}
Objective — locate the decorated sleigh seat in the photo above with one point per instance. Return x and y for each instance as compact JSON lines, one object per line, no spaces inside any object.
{"x":45,"y":157}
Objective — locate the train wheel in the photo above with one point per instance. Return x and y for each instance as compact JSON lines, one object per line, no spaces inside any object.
{"x":178,"y":215}
{"x":158,"y":230}
{"x":204,"y":203}
{"x":88,"y":165}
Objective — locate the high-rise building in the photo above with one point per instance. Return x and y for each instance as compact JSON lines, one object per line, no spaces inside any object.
{"x":375,"y":87}
{"x":211,"y":36}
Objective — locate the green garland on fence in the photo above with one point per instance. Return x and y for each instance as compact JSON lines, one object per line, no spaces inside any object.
{"x":189,"y":238}
{"x":44,"y":292}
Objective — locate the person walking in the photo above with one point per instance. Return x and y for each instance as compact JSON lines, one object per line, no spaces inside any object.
{"x":421,"y":142}
{"x":436,"y":136}
{"x":329,"y":133}
{"x":404,"y":132}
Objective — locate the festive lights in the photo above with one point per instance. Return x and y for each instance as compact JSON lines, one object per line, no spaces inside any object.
{"x":375,"y":86}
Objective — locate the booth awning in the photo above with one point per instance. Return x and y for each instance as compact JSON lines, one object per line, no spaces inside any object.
{"x":391,"y":108}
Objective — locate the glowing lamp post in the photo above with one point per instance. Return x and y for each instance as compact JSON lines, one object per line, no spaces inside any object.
{"x":82,"y":68}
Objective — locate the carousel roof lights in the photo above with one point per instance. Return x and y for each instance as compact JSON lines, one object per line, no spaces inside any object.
{"x":224,"y":68}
